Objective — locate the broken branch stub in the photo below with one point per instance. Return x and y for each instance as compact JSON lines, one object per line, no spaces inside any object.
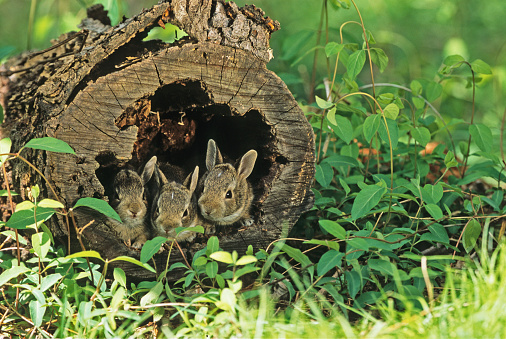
{"x":123,"y":99}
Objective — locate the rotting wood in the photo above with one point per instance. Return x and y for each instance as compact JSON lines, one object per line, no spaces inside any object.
{"x":122,"y":99}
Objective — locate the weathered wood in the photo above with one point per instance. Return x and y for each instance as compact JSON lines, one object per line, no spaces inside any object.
{"x":168,"y":100}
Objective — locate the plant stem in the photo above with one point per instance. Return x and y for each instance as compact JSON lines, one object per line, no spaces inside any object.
{"x":472,"y":120}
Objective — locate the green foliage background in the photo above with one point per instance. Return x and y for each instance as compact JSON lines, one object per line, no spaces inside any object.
{"x":374,"y":218}
{"x":416,"y":36}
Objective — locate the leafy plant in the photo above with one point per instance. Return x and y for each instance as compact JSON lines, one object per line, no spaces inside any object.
{"x":396,"y":204}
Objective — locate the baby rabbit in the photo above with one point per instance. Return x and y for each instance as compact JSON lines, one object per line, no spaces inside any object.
{"x":130,"y":204}
{"x":226,"y":194}
{"x":175,"y":205}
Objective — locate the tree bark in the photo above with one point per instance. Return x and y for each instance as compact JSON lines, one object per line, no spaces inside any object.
{"x":121,"y":100}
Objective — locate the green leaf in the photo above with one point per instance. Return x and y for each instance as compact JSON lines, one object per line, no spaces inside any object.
{"x":416,"y":87}
{"x":355,"y":63}
{"x":297,"y":255}
{"x":328,"y":261}
{"x":41,"y":243}
{"x":370,"y":37}
{"x":22,"y":219}
{"x":50,"y":203}
{"x":343,"y":128}
{"x":383,"y":266}
{"x":437,"y":233}
{"x":134,"y":261}
{"x":341,"y":160}
{"x":371,"y":126}
{"x":49,"y":144}
{"x":11,"y":273}
{"x":358,"y":243}
{"x":151,"y":247}
{"x":246,"y":259}
{"x":366,"y":199}
{"x":85,"y":254}
{"x":37,"y":311}
{"x":324,"y":174}
{"x":391,"y":111}
{"x":213,"y":245}
{"x":46,"y":230}
{"x":49,"y":281}
{"x":419,"y":102}
{"x":5,"y":147}
{"x":434,"y":211}
{"x":379,"y":58}
{"x":345,"y":186}
{"x":480,"y":66}
{"x":222,"y":256}
{"x":228,"y":300}
{"x":450,"y":160}
{"x":333,"y":48}
{"x":4,"y":193}
{"x":482,"y":136}
{"x":421,"y":135}
{"x":153,"y":294}
{"x":333,"y":228}
{"x":453,"y":60}
{"x":354,"y":282}
{"x":433,"y":91}
{"x":340,"y":4}
{"x":120,"y":276}
{"x":212,"y":269}
{"x":322,"y":103}
{"x":245,"y":270}
{"x":393,"y":131}
{"x":331,"y":116}
{"x":197,"y":229}
{"x":432,"y":194}
{"x":35,"y":190}
{"x":327,"y":243}
{"x":200,"y":261}
{"x":471,"y":234}
{"x":98,"y":205}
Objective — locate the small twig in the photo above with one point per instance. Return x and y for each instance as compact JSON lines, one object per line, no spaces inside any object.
{"x":430,"y":289}
{"x":78,"y":235}
{"x":11,"y":203}
{"x":472,"y":120}
{"x":502,"y":137}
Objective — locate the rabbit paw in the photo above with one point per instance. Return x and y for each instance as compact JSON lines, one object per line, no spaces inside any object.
{"x":137,"y":245}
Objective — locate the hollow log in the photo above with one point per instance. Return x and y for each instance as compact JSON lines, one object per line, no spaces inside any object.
{"x":118,"y":99}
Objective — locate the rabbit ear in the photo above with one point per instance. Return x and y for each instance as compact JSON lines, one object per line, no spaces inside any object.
{"x":148,"y":170}
{"x":247,"y":163}
{"x":192,"y":179}
{"x":160,"y":177}
{"x":213,"y":155}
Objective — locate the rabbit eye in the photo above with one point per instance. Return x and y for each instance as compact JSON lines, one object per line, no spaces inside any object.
{"x":228,"y":195}
{"x":185,"y":213}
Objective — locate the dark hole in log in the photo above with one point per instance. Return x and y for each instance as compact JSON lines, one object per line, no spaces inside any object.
{"x":175,"y":124}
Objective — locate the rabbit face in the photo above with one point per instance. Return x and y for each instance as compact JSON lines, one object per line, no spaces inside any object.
{"x":174,"y":208}
{"x":129,"y":203}
{"x":226,"y":195}
{"x":221,"y":201}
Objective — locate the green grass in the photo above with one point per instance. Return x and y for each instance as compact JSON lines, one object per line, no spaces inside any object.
{"x":471,"y":304}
